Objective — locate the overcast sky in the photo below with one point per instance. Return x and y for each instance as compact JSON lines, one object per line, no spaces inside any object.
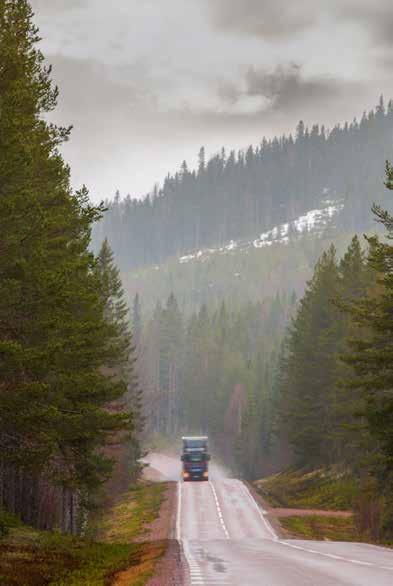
{"x":147,"y":82}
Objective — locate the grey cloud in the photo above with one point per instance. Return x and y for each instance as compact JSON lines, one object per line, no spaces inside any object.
{"x":55,"y":6}
{"x":376,"y":18}
{"x":287,"y":92}
{"x":264,"y":18}
{"x":280,"y":19}
{"x":85,"y":83}
{"x":145,"y":87}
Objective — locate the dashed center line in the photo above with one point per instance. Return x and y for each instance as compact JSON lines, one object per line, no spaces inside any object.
{"x":219,"y":512}
{"x":197,"y":572}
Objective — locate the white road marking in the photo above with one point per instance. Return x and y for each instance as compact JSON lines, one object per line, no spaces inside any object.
{"x":178,"y":519}
{"x":195,"y":575}
{"x":336,"y":557}
{"x":260,"y":513}
{"x":194,"y":568}
{"x":308,"y":550}
{"x":221,"y":518}
{"x":196,"y":572}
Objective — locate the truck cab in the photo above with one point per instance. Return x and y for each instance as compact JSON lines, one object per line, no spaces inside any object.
{"x":195,"y":458}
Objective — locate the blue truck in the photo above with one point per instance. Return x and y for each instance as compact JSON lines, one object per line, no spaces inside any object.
{"x":195,"y":457}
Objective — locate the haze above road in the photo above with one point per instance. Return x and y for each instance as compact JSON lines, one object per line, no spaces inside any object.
{"x":227,"y":540}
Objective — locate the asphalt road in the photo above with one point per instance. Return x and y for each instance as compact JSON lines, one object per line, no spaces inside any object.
{"x":227,"y":540}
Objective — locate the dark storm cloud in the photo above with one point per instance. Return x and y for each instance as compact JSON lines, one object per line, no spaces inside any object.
{"x":287,"y":89}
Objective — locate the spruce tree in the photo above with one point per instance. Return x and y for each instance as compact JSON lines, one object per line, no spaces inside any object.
{"x":350,"y":439}
{"x":137,"y":322}
{"x":117,"y":315}
{"x":308,"y":381}
{"x":116,"y":311}
{"x":371,"y":355}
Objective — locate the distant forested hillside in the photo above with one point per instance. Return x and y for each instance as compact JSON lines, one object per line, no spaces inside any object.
{"x":238,"y":195}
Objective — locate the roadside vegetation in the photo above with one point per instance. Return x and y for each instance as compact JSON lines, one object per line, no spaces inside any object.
{"x":29,"y":557}
{"x":325,"y":489}
{"x":321,"y":528}
{"x":128,"y":519}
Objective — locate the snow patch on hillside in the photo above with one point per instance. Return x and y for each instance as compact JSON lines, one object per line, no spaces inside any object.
{"x":314,"y":221}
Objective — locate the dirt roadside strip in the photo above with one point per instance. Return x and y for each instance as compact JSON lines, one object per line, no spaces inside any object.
{"x":169,"y":571}
{"x":274,"y":514}
{"x":283,"y":512}
{"x":160,"y":535}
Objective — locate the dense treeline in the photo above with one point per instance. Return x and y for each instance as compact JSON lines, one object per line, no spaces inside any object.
{"x":214,"y":373}
{"x":64,"y":342}
{"x":311,"y":403}
{"x":240,"y":195}
{"x":334,"y":402}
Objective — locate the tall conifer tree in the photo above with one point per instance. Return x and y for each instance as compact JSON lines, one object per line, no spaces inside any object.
{"x":54,"y":338}
{"x":371,"y":355}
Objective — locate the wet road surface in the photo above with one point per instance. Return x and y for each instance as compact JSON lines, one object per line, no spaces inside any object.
{"x":227,"y":540}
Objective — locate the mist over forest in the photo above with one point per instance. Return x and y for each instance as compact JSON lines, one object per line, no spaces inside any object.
{"x":239,"y":195}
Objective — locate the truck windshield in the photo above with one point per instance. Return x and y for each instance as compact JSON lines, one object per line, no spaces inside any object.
{"x":195,"y":444}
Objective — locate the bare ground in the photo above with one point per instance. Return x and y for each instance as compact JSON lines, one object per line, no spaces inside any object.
{"x":282,"y":512}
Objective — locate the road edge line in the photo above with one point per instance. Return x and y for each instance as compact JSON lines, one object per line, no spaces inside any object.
{"x":312,"y":551}
{"x":265,"y":521}
{"x":194,"y":574}
{"x":178,"y":518}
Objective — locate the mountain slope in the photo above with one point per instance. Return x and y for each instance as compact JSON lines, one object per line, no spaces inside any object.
{"x":238,"y":196}
{"x":278,"y":261}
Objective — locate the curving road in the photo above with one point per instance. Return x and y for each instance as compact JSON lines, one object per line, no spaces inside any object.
{"x":226,"y":540}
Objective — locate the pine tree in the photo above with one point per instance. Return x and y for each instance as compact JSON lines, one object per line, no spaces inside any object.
{"x":54,"y":338}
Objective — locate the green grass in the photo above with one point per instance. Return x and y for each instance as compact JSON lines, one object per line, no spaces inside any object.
{"x":37,"y":558}
{"x":127,"y":520}
{"x":321,"y":528}
{"x":320,"y":489}
{"x":32,"y":558}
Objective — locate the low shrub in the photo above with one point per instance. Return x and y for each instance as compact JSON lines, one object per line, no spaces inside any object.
{"x":7,"y":522}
